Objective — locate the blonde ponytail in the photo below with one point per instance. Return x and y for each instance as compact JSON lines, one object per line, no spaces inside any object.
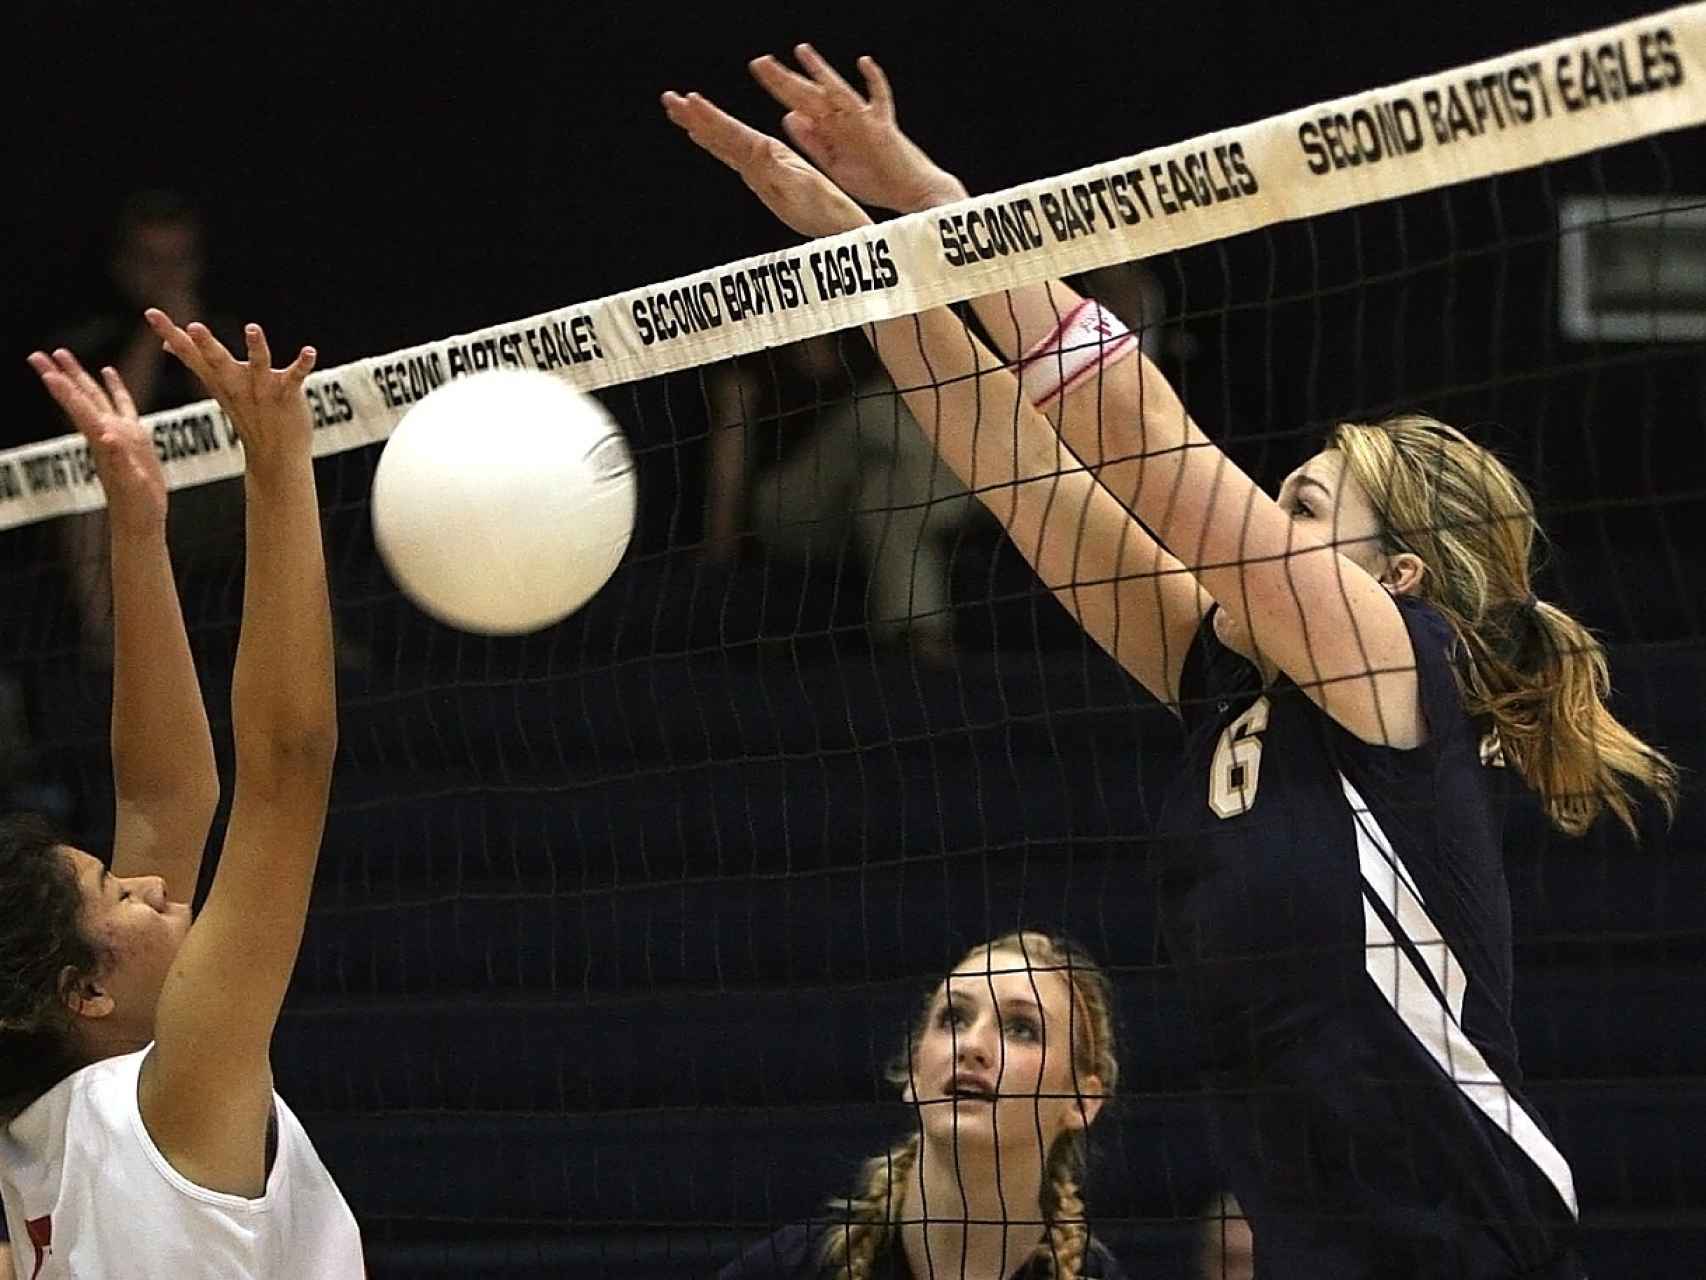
{"x":1538,"y":675}
{"x":1544,"y":689}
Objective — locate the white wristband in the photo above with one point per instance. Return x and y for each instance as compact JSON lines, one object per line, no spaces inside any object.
{"x":1087,"y":338}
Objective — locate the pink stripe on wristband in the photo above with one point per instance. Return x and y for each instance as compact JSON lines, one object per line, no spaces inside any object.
{"x":1088,"y":338}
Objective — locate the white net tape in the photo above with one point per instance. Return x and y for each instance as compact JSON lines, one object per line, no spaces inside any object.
{"x":1565,"y":98}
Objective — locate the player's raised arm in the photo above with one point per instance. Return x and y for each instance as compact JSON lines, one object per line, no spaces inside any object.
{"x":1307,"y":609}
{"x":218,"y":1007}
{"x":165,"y":779}
{"x":1087,"y":549}
{"x":1087,"y":382}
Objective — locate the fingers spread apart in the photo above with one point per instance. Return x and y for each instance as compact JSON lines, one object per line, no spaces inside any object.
{"x":822,"y":90}
{"x":836,"y":91}
{"x":787,"y":86}
{"x":231,"y":380}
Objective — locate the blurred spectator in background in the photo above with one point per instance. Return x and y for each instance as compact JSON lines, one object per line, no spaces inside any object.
{"x":156,"y":258}
{"x":810,"y":444}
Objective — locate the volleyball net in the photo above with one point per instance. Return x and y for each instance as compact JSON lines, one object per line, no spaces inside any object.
{"x":619,"y":924}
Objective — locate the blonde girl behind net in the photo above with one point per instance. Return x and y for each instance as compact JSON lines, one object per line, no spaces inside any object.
{"x":864,"y":1221}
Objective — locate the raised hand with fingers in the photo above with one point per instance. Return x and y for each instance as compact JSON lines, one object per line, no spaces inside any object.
{"x":854,"y":137}
{"x":789,"y":187}
{"x":265,"y":404}
{"x":121,"y":447}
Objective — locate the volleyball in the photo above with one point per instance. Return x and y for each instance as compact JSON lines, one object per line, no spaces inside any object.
{"x":503,"y":501}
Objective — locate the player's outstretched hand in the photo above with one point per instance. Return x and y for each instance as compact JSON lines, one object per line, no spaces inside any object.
{"x":854,"y":137}
{"x":120,"y":446}
{"x":265,"y":404}
{"x":789,"y":187}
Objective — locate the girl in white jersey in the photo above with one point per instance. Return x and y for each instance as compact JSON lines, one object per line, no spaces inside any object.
{"x":142,"y":1136}
{"x":1365,"y":650}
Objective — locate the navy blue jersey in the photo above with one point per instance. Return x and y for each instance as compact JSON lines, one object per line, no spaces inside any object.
{"x":796,"y":1253}
{"x":1340,"y":913}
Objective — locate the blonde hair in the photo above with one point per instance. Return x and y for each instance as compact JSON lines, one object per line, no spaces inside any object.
{"x":864,"y":1221}
{"x":1535,"y":672}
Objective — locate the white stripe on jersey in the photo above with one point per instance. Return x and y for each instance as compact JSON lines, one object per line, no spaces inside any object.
{"x":1438,"y":1027}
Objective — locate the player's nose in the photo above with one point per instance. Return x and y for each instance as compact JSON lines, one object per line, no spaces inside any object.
{"x":153,"y":891}
{"x":972,"y":1045}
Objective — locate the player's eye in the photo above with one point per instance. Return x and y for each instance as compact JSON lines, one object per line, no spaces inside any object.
{"x":950,"y":1017}
{"x":123,"y":894}
{"x":1023,"y":1028}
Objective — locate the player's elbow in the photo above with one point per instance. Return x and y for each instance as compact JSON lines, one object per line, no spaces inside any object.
{"x":288,"y":759}
{"x":312,"y":747}
{"x":200,"y":799}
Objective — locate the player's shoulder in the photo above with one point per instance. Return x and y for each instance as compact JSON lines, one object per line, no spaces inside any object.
{"x":1100,"y":1263}
{"x":1427,"y":624}
{"x":1441,"y":665}
{"x":787,"y":1254}
{"x":106,"y":1087}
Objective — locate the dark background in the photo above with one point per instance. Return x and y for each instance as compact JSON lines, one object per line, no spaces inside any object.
{"x":379,"y":175}
{"x":617,"y":924}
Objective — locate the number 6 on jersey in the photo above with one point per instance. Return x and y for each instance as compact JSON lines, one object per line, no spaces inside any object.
{"x":1237,"y":765}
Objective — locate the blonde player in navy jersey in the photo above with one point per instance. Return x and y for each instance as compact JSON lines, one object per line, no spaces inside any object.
{"x":1360,"y":664}
{"x":142,"y":1136}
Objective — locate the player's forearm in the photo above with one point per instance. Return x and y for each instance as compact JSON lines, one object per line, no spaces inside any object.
{"x":284,"y":701}
{"x":163,"y":762}
{"x":1124,"y":422}
{"x":1102,"y":419}
{"x":1018,"y":319}
{"x":969,"y":407}
{"x":1015,"y":319}
{"x":1131,"y":429}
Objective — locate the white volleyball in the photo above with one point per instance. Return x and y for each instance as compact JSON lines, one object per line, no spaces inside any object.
{"x":503,"y":501}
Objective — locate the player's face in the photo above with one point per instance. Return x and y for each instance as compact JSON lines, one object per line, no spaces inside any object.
{"x":994,"y":1065}
{"x":140,"y":930}
{"x":1325,"y":502}
{"x":1327,"y":506}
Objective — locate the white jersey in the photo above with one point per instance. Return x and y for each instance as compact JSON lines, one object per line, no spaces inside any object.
{"x":89,"y":1195}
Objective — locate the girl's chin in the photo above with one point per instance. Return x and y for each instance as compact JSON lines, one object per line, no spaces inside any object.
{"x":976,"y":1128}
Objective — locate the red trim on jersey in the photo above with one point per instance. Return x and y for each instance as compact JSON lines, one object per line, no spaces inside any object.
{"x":41,"y":1236}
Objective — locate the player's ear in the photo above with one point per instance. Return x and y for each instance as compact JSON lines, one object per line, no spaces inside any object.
{"x":909,"y":1090}
{"x":1088,"y":1105}
{"x":1404,"y":573}
{"x":83,"y":995}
